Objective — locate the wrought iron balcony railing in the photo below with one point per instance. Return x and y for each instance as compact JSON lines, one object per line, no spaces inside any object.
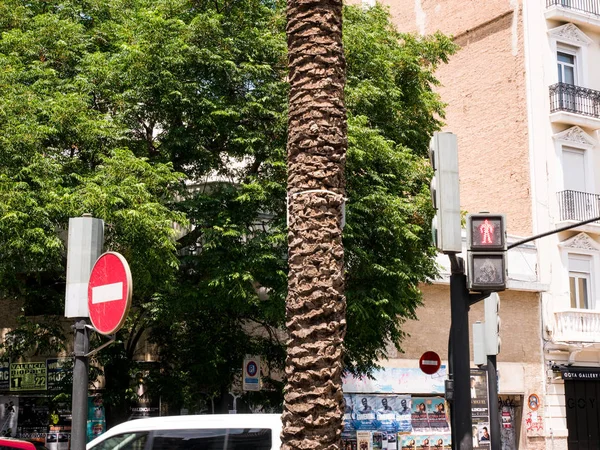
{"x":574,"y":99}
{"x":588,"y":6}
{"x":578,"y":206}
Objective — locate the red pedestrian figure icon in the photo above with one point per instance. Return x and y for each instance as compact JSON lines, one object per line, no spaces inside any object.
{"x":486,"y":229}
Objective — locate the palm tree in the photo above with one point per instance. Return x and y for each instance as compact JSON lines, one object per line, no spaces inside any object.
{"x":316,"y":149}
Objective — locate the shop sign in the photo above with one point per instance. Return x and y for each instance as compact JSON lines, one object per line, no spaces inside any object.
{"x":28,"y":376}
{"x":4,"y":375}
{"x":580,"y":374}
{"x":56,"y":371}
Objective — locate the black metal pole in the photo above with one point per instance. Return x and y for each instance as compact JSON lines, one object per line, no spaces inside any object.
{"x":462,"y":433}
{"x":495,"y":431}
{"x":80,"y":386}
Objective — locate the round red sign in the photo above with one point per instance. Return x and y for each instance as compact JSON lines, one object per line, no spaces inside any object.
{"x":109,"y":292}
{"x":430,"y":363}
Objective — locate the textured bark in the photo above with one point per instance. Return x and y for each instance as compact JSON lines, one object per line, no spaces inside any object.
{"x":316,"y":306}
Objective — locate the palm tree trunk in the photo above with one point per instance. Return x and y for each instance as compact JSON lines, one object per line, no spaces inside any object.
{"x":316,"y":306}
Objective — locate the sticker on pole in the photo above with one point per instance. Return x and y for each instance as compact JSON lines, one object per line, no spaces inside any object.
{"x":109,"y":293}
{"x":430,"y":363}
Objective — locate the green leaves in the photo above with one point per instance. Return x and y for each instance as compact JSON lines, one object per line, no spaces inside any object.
{"x":168,"y":120}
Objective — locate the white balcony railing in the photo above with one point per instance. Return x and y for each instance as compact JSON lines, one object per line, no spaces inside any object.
{"x":577,"y":326}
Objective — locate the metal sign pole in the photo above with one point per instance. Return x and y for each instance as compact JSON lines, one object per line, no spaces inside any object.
{"x":80,"y":386}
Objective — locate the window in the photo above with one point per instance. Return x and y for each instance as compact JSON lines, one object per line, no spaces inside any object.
{"x":580,"y":281}
{"x":213,"y":439}
{"x":566,"y":67}
{"x":127,"y":441}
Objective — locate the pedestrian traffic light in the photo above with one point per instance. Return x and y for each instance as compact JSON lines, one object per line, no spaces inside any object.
{"x":445,"y":227}
{"x":492,"y":324}
{"x":486,"y":252}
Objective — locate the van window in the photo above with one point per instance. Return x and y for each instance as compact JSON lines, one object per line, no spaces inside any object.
{"x":126,"y":441}
{"x":213,"y":439}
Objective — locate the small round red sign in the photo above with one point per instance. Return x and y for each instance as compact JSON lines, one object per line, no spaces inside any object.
{"x":109,"y":292}
{"x":430,"y":363}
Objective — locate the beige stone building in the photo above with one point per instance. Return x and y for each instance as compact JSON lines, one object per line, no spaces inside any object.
{"x":523,"y":96}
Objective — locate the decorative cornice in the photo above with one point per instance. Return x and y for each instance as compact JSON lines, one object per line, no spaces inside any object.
{"x":570,"y":33}
{"x":582,"y":241}
{"x":576,"y":136}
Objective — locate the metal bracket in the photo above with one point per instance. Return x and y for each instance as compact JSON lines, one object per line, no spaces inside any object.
{"x":111,"y":339}
{"x":476,"y":298}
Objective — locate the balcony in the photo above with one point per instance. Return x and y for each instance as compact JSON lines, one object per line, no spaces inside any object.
{"x":574,"y":206}
{"x":584,"y":13}
{"x":575,"y":105}
{"x":577,"y":325}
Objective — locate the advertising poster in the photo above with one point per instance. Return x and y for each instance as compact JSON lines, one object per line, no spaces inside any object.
{"x":33,"y":418}
{"x":408,"y":442}
{"x":56,"y":369}
{"x":404,"y":413}
{"x":28,"y":376}
{"x":480,"y":409}
{"x":96,"y":423}
{"x":388,"y":414}
{"x":349,"y":444}
{"x":441,"y":442}
{"x":349,"y":432}
{"x":364,"y":413}
{"x":423,"y":442}
{"x":59,"y":430}
{"x":9,"y":412}
{"x":436,"y":410}
{"x":57,"y":440}
{"x":364,"y":440}
{"x":419,"y":416}
{"x":4,"y":375}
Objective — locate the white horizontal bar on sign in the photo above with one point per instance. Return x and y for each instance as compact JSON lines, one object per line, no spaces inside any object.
{"x":429,"y":362}
{"x":107,"y":293}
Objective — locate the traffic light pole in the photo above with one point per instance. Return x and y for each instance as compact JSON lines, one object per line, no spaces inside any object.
{"x":459,"y":356}
{"x":495,"y":430}
{"x":460,"y":365}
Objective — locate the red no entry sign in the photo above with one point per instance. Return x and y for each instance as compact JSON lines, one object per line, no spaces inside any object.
{"x":109,"y":292}
{"x":430,"y":363}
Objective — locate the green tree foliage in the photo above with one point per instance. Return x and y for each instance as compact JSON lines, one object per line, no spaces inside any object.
{"x":154,"y":113}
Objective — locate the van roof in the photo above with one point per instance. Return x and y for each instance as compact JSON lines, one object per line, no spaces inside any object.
{"x":196,"y":421}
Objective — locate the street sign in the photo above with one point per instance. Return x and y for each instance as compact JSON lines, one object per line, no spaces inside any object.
{"x":251,"y":376}
{"x":430,"y":363}
{"x":109,"y":293}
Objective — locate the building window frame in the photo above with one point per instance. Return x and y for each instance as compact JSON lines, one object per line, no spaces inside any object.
{"x":579,"y":248}
{"x":581,"y":281}
{"x":577,"y":139}
{"x":571,"y":40}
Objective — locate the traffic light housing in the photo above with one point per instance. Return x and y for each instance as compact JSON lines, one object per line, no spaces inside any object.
{"x":446,"y":230}
{"x":486,"y":252}
{"x":492,"y":324}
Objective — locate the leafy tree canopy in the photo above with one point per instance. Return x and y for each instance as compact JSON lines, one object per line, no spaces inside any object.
{"x":170,"y":115}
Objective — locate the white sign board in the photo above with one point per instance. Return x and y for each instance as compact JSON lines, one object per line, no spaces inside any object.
{"x":251,"y":373}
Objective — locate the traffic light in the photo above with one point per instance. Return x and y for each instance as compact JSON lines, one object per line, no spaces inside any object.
{"x":486,"y":252}
{"x":479,"y":354}
{"x":445,"y":228}
{"x":492,"y":324}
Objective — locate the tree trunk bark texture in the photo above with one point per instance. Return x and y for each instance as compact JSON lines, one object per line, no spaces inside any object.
{"x":316,"y":150}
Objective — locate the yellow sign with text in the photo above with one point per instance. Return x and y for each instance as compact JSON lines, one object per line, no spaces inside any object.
{"x":28,"y":376}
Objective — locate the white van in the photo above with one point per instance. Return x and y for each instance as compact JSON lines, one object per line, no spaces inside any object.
{"x":205,"y":432}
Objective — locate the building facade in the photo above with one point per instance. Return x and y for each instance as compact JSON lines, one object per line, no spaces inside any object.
{"x":523,"y":95}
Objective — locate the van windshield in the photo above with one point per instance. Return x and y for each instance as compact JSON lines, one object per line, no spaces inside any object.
{"x":213,"y":439}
